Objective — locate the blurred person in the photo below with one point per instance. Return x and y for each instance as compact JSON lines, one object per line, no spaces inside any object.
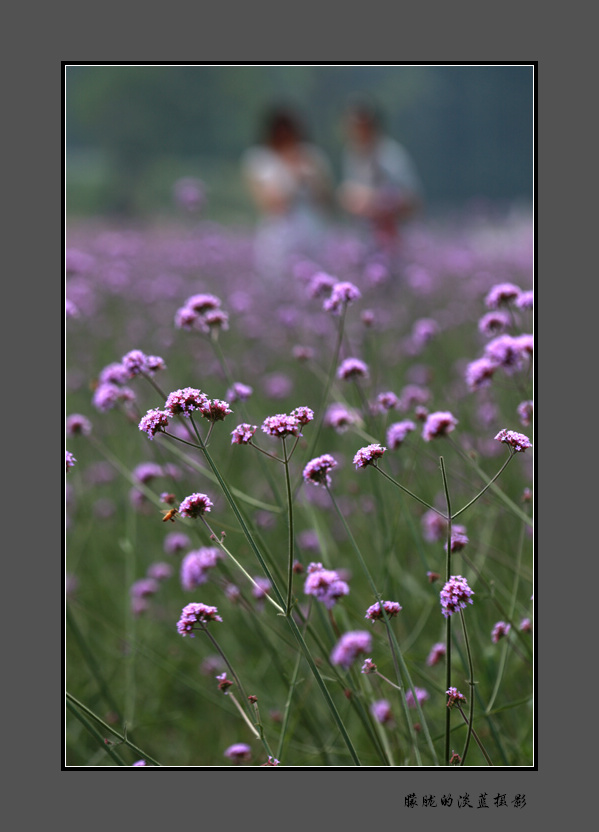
{"x":290,"y":182}
{"x":380,"y":185}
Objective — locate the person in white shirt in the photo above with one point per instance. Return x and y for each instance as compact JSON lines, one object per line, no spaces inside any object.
{"x":291,"y":184}
{"x":380,"y":186}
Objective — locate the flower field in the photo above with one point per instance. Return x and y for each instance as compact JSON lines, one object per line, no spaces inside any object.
{"x":299,"y":511}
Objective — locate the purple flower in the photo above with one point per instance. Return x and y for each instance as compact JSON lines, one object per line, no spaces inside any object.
{"x":352,"y":368}
{"x":339,"y":417}
{"x":526,"y":625}
{"x":146,"y":472}
{"x":282,"y":425}
{"x":213,"y":320}
{"x":507,"y":352}
{"x":160,"y":571}
{"x":240,"y":752}
{"x":368,"y":667}
{"x":413,"y":394}
{"x":143,"y":588}
{"x":421,"y":695}
{"x":500,"y":630}
{"x":386,"y":401}
{"x":261,"y":587}
{"x":438,"y":424}
{"x":215,"y":410}
{"x":320,"y":284}
{"x":424,"y":331}
{"x":176,"y":542}
{"x":459,"y":538}
{"x":239,"y":392}
{"x":139,"y":763}
{"x":368,"y":455}
{"x":155,"y":421}
{"x":397,"y":432}
{"x":455,"y":595}
{"x":195,"y":566}
{"x":78,"y":425}
{"x":202,"y":303}
{"x":70,"y":461}
{"x":437,"y":652}
{"x":351,"y":645}
{"x":196,"y":614}
{"x":374,"y":613}
{"x":185,"y":401}
{"x":135,"y":362}
{"x":454,"y":696}
{"x":195,"y":505}
{"x":525,"y":300}
{"x":155,"y":363}
{"x":325,"y":585}
{"x":342,"y":294}
{"x":479,"y":373}
{"x":185,"y":318}
{"x":107,"y":395}
{"x":434,"y":526}
{"x":317,"y":470}
{"x":501,"y":293}
{"x":243,"y":433}
{"x":70,"y":309}
{"x":113,"y":373}
{"x":517,"y":441}
{"x":303,"y":415}
{"x":494,"y":323}
{"x":525,"y":412}
{"x":381,"y":711}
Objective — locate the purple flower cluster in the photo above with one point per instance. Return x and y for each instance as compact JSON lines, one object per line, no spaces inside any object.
{"x":494,"y":323}
{"x":517,"y":441}
{"x":155,"y":421}
{"x":325,"y":585}
{"x":195,"y":566}
{"x":239,"y":392}
{"x":242,"y":434}
{"x":374,"y":612}
{"x":195,"y":613}
{"x":283,"y":424}
{"x":368,"y":455}
{"x":381,"y":711}
{"x":78,"y":425}
{"x":351,"y":645}
{"x":438,"y":424}
{"x":317,"y":470}
{"x":184,"y":402}
{"x":340,"y":418}
{"x":342,"y":294}
{"x":500,"y":630}
{"x":421,"y":695}
{"x":240,"y":752}
{"x":195,"y":505}
{"x":501,"y":293}
{"x":453,"y":696}
{"x":136,"y":363}
{"x":352,"y":368}
{"x":459,"y":538}
{"x":70,"y":461}
{"x":397,"y":432}
{"x":108,"y":395}
{"x":525,"y":412}
{"x":368,"y":667}
{"x":436,"y":653}
{"x":455,"y":595}
{"x":175,"y":542}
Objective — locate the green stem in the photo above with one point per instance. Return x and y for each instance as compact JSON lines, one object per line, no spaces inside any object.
{"x":91,"y":729}
{"x":290,"y":539}
{"x":487,"y":486}
{"x":448,"y":619}
{"x":471,"y":683}
{"x":403,"y":488}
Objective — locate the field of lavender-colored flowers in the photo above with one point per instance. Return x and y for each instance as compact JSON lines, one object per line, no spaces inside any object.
{"x":259,"y":480}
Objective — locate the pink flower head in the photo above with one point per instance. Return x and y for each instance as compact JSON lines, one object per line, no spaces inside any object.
{"x":438,"y":424}
{"x":421,"y":695}
{"x":368,"y":667}
{"x":320,"y":284}
{"x":176,"y":542}
{"x":303,"y":415}
{"x":185,"y":401}
{"x":242,"y":434}
{"x":155,"y":421}
{"x":202,"y":303}
{"x":325,"y":585}
{"x":339,"y":417}
{"x":135,"y":362}
{"x":517,"y":441}
{"x":261,"y":587}
{"x":508,"y":352}
{"x":317,"y":470}
{"x":479,"y":373}
{"x":500,"y":630}
{"x":195,"y":505}
{"x":525,"y":412}
{"x":437,"y":652}
{"x":374,"y":613}
{"x":196,"y":614}
{"x":113,"y":373}
{"x":144,"y":588}
{"x":239,"y":392}
{"x":185,"y":318}
{"x":215,"y":410}
{"x":195,"y":566}
{"x":139,"y":763}
{"x":351,"y":645}
{"x":368,"y":455}
{"x":386,"y":401}
{"x":381,"y":711}
{"x":107,"y":395}
{"x":240,"y":752}
{"x":78,"y":425}
{"x":459,"y":538}
{"x":342,"y":294}
{"x":282,"y":425}
{"x":455,"y":595}
{"x":70,"y":461}
{"x":453,"y":696}
{"x":494,"y":323}
{"x":525,"y":300}
{"x":501,"y":293}
{"x":397,"y":432}
{"x":352,"y":368}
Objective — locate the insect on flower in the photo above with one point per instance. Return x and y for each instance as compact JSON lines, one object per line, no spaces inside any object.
{"x":170,"y":514}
